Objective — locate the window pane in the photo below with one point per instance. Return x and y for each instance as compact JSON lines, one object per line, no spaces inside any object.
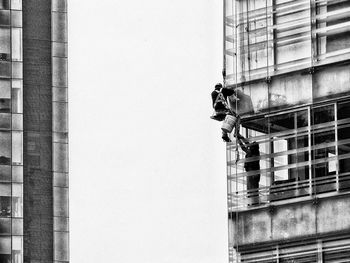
{"x":5,"y":69}
{"x":59,"y":5}
{"x":59,"y":49}
{"x":323,"y":153}
{"x":17,"y":146}
{"x":17,"y":249}
{"x":60,"y":157}
{"x":59,"y":32}
{"x":59,"y":71}
{"x":17,"y":174}
{"x":17,"y":44}
{"x":5,"y":89}
{"x":17,"y":105}
{"x":60,"y":117}
{"x":5,"y":149}
{"x":17,"y":122}
{"x":4,"y":18}
{"x":17,"y":71}
{"x":4,"y":4}
{"x":5,"y":121}
{"x":16,"y":4}
{"x":60,"y":201}
{"x":5,"y":173}
{"x":5,"y":40}
{"x":61,"y":246}
{"x":17,"y":200}
{"x":5,"y":247}
{"x":17,"y":226}
{"x":16,"y":18}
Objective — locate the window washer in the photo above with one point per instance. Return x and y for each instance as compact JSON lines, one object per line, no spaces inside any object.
{"x":222,"y":111}
{"x":251,"y":150}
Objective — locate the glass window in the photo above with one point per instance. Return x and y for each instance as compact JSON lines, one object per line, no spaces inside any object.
{"x":59,"y":5}
{"x":17,"y":122}
{"x":4,"y":41}
{"x":60,"y":117}
{"x":60,"y":94}
{"x":343,"y":112}
{"x":5,"y":226}
{"x":5,"y":200}
{"x":5,"y":89}
{"x":17,"y":104}
{"x":5,"y":173}
{"x":17,"y":146}
{"x":60,"y":157}
{"x":60,"y":201}
{"x":61,"y":137}
{"x":16,"y":18}
{"x":17,"y":200}
{"x":16,"y":4}
{"x":5,"y":248}
{"x":60,"y":223}
{"x":5,"y":120}
{"x":59,"y":49}
{"x":59,"y":32}
{"x":4,"y":18}
{"x":61,"y":246}
{"x":4,"y":4}
{"x":17,"y":70}
{"x":5,"y":69}
{"x":323,"y":142}
{"x":17,"y":44}
{"x":5,"y":149}
{"x":17,"y":174}
{"x":59,"y":71}
{"x":17,"y":249}
{"x":17,"y":226}
{"x":60,"y":179}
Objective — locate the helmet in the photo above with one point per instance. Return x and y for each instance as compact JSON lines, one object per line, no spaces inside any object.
{"x":218,"y":86}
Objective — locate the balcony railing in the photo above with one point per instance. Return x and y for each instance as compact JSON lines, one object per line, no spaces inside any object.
{"x":303,"y":154}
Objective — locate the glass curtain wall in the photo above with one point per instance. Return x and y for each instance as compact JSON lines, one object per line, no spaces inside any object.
{"x":60,"y":130}
{"x":285,"y":60}
{"x":11,"y":132}
{"x":265,"y":38}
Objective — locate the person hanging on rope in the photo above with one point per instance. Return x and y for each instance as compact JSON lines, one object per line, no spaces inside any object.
{"x":251,"y":150}
{"x":222,"y":111}
{"x":219,"y":98}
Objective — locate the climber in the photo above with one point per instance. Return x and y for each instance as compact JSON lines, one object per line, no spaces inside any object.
{"x":219,"y":98}
{"x":222,"y":111}
{"x":251,"y":150}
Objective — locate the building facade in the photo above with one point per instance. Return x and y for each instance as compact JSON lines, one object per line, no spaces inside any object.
{"x":33,"y":131}
{"x":289,"y":62}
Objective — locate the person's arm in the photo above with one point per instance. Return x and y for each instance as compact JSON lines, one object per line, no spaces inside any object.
{"x":243,"y":143}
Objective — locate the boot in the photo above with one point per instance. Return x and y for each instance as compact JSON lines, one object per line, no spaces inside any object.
{"x":225,"y":137}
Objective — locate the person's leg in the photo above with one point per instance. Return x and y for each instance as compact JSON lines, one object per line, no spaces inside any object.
{"x":225,"y":136}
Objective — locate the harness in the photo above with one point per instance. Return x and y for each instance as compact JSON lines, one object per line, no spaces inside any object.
{"x":220,"y":99}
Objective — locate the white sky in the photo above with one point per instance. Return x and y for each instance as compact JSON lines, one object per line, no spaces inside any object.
{"x":147,"y":181}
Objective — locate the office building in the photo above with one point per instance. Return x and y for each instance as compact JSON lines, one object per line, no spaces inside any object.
{"x":289,"y":62}
{"x":33,"y":131}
